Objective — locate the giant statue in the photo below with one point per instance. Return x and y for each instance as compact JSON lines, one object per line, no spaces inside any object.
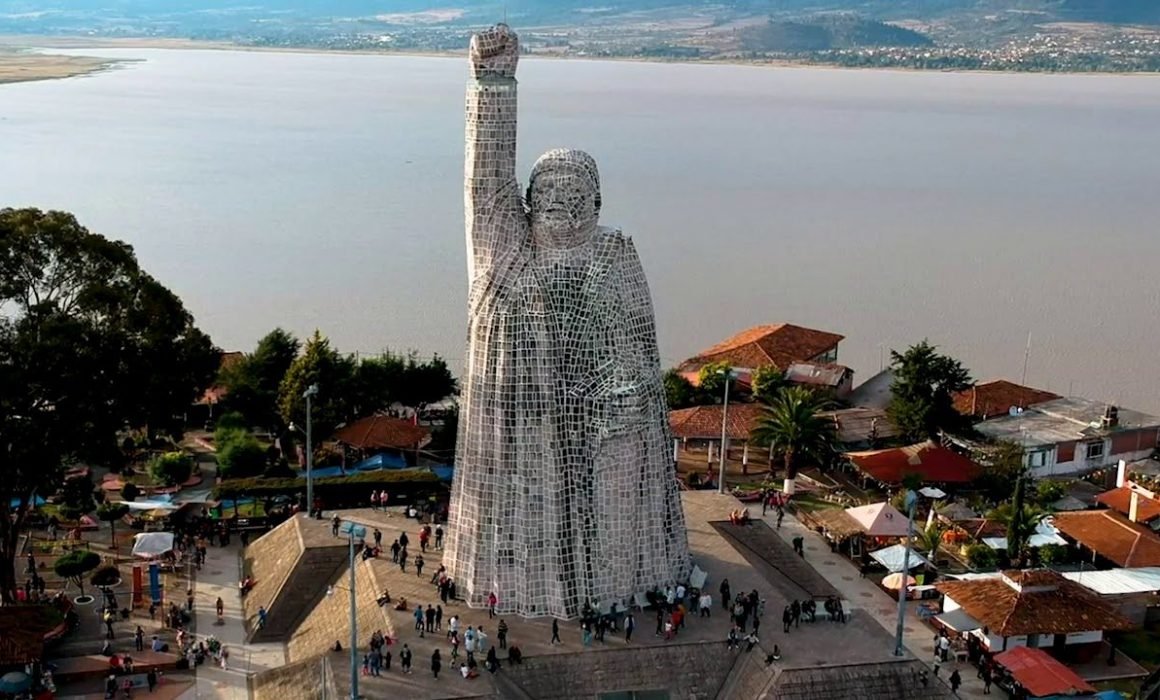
{"x":564,"y":491}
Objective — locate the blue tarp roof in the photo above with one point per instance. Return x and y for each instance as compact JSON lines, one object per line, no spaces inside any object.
{"x":321,"y":472}
{"x":1105,"y":695}
{"x":15,"y":502}
{"x":381,"y":461}
{"x":443,"y":472}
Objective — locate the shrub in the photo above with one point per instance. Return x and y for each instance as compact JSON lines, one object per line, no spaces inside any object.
{"x":232,"y":421}
{"x":106,"y":576}
{"x":241,"y":456}
{"x":171,"y":468}
{"x":981,"y":557}
{"x":74,"y":565}
{"x":279,"y":469}
{"x":130,"y":492}
{"x":1048,"y":492}
{"x":336,"y":491}
{"x":1052,"y":554}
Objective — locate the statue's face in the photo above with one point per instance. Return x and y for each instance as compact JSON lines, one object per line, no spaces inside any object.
{"x":563,"y":206}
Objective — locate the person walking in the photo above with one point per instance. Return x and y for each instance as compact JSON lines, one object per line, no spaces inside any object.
{"x":438,"y":537}
{"x":629,"y":626}
{"x":405,"y":659}
{"x":956,"y":680}
{"x":378,"y":538}
{"x":139,"y":639}
{"x":374,"y":500}
{"x":419,"y":565}
{"x":221,"y":609}
{"x":492,"y":601}
{"x":436,"y":663}
{"x":725,"y":590}
{"x":987,"y":678}
{"x":501,"y":633}
{"x":556,"y":632}
{"x":334,"y":523}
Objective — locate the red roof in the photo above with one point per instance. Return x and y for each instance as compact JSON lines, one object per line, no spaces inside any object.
{"x":1112,"y":536}
{"x":1040,"y":674}
{"x":383,"y":432}
{"x":990,"y":399}
{"x":931,"y":462}
{"x":704,"y":422}
{"x":779,"y":345}
{"x":1120,"y":500}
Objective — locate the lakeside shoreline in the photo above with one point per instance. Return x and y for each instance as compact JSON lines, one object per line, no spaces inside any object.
{"x":20,"y":44}
{"x":24,"y":65}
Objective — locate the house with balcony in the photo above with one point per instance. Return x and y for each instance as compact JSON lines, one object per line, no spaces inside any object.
{"x":1075,"y":435}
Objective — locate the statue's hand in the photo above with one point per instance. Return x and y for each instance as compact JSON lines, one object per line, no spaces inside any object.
{"x":495,"y":52}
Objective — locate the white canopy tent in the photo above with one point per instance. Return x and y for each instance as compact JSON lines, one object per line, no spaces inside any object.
{"x":150,"y":505}
{"x":891,"y":558}
{"x":150,"y":545}
{"x":879,"y":520}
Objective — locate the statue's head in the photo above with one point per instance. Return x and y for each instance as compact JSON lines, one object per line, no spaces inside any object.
{"x":564,"y":198}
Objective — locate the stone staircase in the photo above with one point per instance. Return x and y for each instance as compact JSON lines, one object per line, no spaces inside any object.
{"x":775,"y":559}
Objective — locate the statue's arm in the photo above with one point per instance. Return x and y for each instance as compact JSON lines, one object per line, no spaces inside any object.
{"x":495,"y":221}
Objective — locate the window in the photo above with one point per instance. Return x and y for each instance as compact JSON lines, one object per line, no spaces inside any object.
{"x":1038,"y":458}
{"x":1095,"y":450}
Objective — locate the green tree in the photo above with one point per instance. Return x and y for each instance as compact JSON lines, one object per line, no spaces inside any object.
{"x":711,"y":381}
{"x":105,"y":576}
{"x":1020,"y":519}
{"x":791,"y":427}
{"x":320,"y":365}
{"x":766,"y":382}
{"x":78,"y":494}
{"x":171,"y":468}
{"x":1002,"y":467}
{"x":981,"y":557}
{"x":130,"y":491}
{"x":425,"y":382}
{"x":111,"y":513}
{"x":241,"y":456}
{"x":922,"y":400}
{"x":74,"y":565}
{"x":929,"y":540}
{"x":89,"y":343}
{"x":679,"y":392}
{"x":252,"y":383}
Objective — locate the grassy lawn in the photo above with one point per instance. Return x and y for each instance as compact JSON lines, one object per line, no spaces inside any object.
{"x":245,"y":510}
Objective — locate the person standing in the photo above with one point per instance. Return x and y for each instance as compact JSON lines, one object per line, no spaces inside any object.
{"x":419,"y":564}
{"x":438,"y":537}
{"x":629,"y":626}
{"x":374,"y":500}
{"x":501,"y":633}
{"x":725,"y":590}
{"x":987,"y":678}
{"x":492,"y":600}
{"x":334,"y":523}
{"x":436,"y":663}
{"x":378,"y":538}
{"x":151,"y":679}
{"x":405,"y":659}
{"x":139,"y":639}
{"x":956,"y":680}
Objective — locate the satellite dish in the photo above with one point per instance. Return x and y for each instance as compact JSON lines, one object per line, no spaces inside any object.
{"x":1013,"y":411}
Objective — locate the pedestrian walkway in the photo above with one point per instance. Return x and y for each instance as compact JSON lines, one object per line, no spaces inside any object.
{"x":866,"y":598}
{"x":219,"y":577}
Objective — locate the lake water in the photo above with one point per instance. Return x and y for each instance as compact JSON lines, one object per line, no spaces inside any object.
{"x":311,"y":190}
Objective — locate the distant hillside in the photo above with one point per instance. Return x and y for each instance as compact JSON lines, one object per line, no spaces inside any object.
{"x":1115,"y":11}
{"x":825,"y":33}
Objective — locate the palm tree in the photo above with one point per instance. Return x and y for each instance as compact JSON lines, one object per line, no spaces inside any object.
{"x":930,"y":539}
{"x":1020,"y":520}
{"x":791,"y":427}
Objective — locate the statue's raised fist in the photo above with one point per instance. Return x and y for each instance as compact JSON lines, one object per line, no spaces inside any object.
{"x":495,"y":52}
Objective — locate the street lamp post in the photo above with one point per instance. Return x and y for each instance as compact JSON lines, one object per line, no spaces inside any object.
{"x":724,"y":422}
{"x":911,"y":503}
{"x":311,"y":391}
{"x":353,"y":530}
